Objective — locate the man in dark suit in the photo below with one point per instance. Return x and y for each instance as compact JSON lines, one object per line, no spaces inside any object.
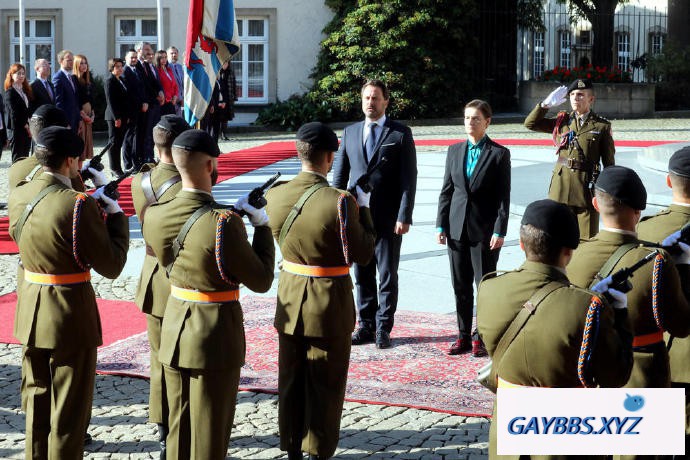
{"x":65,"y":85}
{"x":364,"y":145}
{"x":133,"y":144}
{"x":153,"y":95}
{"x":473,"y":215}
{"x":42,"y":87}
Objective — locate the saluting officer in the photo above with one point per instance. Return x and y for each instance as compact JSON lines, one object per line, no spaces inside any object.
{"x":659,"y":228}
{"x":583,"y":141}
{"x":321,"y":231}
{"x":61,"y":236}
{"x":204,"y":247}
{"x":656,"y":301}
{"x":157,"y":183}
{"x":546,"y":350}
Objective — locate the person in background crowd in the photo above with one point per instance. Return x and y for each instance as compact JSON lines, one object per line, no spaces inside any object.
{"x":18,"y":97}
{"x":154,"y":96}
{"x":228,"y":93}
{"x":66,"y":93}
{"x":472,"y":216}
{"x":178,"y":71}
{"x":42,"y":88}
{"x":85,"y":92}
{"x":118,"y":112}
{"x":133,"y":144}
{"x":166,"y":77}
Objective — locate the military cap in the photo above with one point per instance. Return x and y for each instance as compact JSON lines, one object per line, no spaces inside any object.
{"x":60,"y":141}
{"x":555,"y":219}
{"x":174,"y":124}
{"x":319,"y":136}
{"x":624,"y":185}
{"x":580,"y":83}
{"x":51,"y":115}
{"x":679,"y":163}
{"x":196,"y":140}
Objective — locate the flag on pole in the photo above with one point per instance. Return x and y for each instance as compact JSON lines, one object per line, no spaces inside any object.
{"x":212,"y":40}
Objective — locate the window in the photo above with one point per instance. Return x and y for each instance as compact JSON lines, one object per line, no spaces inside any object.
{"x":656,"y":43}
{"x":251,"y":63}
{"x":564,"y":48}
{"x":130,"y":30}
{"x":623,"y":50}
{"x":39,"y":42}
{"x":538,"y":54}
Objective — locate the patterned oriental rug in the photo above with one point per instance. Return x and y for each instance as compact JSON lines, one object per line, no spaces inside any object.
{"x":415,"y":372}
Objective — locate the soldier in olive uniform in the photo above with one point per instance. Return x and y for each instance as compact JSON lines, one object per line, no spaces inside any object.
{"x":315,"y":314}
{"x":583,"y":141}
{"x":656,"y":301}
{"x":157,"y":184}
{"x":546,"y":350}
{"x":204,"y":247}
{"x":61,"y":235}
{"x":658,"y":228}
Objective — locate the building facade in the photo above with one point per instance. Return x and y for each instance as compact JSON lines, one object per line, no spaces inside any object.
{"x":279,"y":40}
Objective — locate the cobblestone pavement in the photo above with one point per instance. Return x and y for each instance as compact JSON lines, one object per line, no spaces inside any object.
{"x":118,"y":423}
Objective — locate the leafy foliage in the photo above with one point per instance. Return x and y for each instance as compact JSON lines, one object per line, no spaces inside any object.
{"x":670,"y":71}
{"x":294,"y":112}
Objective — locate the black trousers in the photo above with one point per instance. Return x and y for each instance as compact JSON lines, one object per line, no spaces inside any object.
{"x":20,"y":144}
{"x":469,"y":262}
{"x":377,"y":307}
{"x":134,"y":141}
{"x":115,"y":136}
{"x":152,"y":119}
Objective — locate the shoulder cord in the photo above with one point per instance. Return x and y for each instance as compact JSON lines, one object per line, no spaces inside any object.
{"x":81,"y":198}
{"x":659,"y":263}
{"x":220,"y":225}
{"x":556,"y":130}
{"x":589,"y":336}
{"x":342,"y":217}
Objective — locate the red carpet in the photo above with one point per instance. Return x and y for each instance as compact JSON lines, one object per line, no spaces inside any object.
{"x":415,"y":372}
{"x":119,"y":319}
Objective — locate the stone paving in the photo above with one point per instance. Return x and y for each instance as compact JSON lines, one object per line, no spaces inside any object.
{"x":118,"y":423}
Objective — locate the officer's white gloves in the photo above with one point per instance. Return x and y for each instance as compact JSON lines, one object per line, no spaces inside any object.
{"x":98,"y":177}
{"x":86,"y":164}
{"x":109,"y":205}
{"x":556,"y":97}
{"x":617,"y":299}
{"x":362,"y":198}
{"x":683,"y":258}
{"x":257,"y":217}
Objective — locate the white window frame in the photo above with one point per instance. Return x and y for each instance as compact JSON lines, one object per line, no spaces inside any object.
{"x":656,"y":42}
{"x":539,"y":49}
{"x":623,"y":50}
{"x":242,"y":59}
{"x":565,"y":40}
{"x":138,"y":36}
{"x":30,"y":42}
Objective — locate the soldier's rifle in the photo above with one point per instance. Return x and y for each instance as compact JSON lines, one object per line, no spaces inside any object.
{"x":620,"y":280}
{"x":256,"y":196}
{"x":364,"y":180}
{"x":96,"y":163}
{"x":110,"y":189}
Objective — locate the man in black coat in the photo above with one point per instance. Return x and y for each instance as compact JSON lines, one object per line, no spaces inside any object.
{"x":133,"y":143}
{"x":365,"y":144}
{"x":153,"y":96}
{"x":42,"y":88}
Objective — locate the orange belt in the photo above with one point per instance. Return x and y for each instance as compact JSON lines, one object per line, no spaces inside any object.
{"x":56,"y":280}
{"x":506,"y":384}
{"x":314,"y":270}
{"x":648,"y":339}
{"x":204,"y":297}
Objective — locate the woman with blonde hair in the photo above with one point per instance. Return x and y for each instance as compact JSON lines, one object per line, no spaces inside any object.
{"x":85,"y":95}
{"x":18,"y":97}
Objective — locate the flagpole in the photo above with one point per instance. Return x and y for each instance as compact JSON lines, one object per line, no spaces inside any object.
{"x":21,"y":34}
{"x":161,"y":37}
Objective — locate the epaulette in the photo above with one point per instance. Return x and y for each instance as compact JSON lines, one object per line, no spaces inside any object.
{"x":598,"y":117}
{"x":660,"y":213}
{"x":146,"y":167}
{"x":498,"y":273}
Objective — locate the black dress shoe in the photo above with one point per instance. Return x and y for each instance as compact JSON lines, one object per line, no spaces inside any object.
{"x":383,"y":339}
{"x":362,"y":336}
{"x":295,"y":455}
{"x":316,"y":457}
{"x":87,"y":438}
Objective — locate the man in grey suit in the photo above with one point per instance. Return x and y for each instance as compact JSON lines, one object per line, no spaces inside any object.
{"x":364,"y":145}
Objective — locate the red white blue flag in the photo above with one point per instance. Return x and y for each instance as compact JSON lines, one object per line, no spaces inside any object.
{"x":212,"y":40}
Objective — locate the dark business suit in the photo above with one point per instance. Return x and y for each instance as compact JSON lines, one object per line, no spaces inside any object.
{"x":133,"y":144}
{"x":392,"y":200}
{"x":41,"y":95}
{"x":470,"y":211}
{"x":117,"y":108}
{"x":3,"y":130}
{"x":151,"y":89}
{"x":67,"y":98}
{"x":17,"y":119}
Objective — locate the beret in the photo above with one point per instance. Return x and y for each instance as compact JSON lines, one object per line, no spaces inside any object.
{"x":624,"y":185}
{"x":60,"y":141}
{"x":51,"y":115}
{"x":679,"y":163}
{"x":580,"y":83}
{"x":555,"y":219}
{"x":196,"y":140}
{"x":319,"y":136}
{"x":174,"y":124}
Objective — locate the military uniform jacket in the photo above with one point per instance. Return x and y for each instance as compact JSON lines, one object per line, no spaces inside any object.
{"x":651,"y":366}
{"x":63,"y":316}
{"x":154,"y":287}
{"x":198,"y":335}
{"x":545,"y":352}
{"x":570,"y":186}
{"x":318,"y":307}
{"x":655,"y":229}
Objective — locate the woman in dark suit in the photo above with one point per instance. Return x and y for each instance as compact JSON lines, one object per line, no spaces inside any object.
{"x":473,"y":216}
{"x":18,"y":97}
{"x":116,"y":112}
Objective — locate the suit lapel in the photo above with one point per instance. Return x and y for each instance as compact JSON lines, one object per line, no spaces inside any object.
{"x":382,"y":135}
{"x":481,"y":161}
